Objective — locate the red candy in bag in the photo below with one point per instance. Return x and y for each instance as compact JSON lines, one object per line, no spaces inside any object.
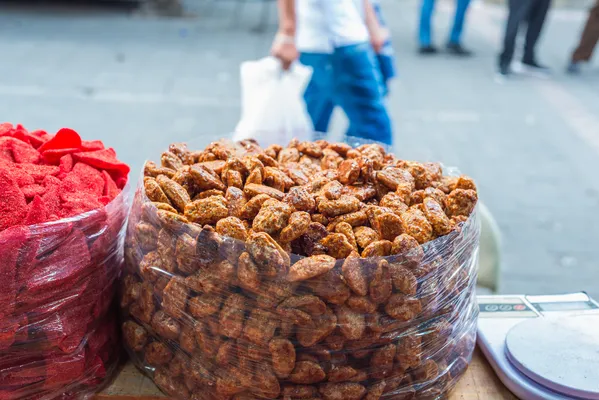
{"x":11,"y":241}
{"x":64,"y":139}
{"x":13,"y":206}
{"x":61,"y":220}
{"x":104,"y":159}
{"x":37,"y":211}
{"x":81,"y":166}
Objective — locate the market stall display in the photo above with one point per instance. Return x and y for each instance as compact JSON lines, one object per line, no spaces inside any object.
{"x":62,"y":219}
{"x":315,"y":270}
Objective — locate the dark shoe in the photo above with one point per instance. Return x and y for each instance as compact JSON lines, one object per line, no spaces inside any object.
{"x":427,"y":49}
{"x":503,"y":73}
{"x":457,"y":50}
{"x":504,"y":70}
{"x":573,"y":67}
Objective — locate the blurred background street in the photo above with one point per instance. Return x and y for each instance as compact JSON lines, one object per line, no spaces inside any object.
{"x":139,"y":82}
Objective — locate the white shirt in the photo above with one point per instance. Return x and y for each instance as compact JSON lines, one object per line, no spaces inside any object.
{"x":323,"y":25}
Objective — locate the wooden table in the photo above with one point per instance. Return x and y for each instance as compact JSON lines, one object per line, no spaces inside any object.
{"x":479,"y":382}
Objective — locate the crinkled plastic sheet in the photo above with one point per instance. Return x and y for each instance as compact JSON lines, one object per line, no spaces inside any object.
{"x":208,"y":333}
{"x":58,"y":330}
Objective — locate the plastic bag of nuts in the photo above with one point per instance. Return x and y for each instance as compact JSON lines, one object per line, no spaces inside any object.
{"x":314,"y":271}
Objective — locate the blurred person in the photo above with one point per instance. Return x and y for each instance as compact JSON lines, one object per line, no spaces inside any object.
{"x":384,"y":54}
{"x":339,"y":43}
{"x":454,"y":44}
{"x":533,"y":13}
{"x":588,"y":41}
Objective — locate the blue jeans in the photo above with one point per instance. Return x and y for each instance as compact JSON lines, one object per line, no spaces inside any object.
{"x":348,"y":78}
{"x":426,"y":14}
{"x":386,"y":65}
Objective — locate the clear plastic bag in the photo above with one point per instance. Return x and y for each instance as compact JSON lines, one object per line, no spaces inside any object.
{"x":58,"y":332}
{"x":218,"y":309}
{"x":272,"y":102}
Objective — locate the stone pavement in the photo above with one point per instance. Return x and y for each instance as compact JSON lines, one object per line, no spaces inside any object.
{"x":140,"y":83}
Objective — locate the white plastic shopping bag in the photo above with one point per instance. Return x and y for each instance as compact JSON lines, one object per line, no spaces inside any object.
{"x":273,"y":110}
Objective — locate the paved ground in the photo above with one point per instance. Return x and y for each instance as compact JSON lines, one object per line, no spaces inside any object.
{"x":140,"y":83}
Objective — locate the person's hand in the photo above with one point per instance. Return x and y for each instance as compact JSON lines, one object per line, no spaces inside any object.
{"x":283,"y":48}
{"x":378,"y":38}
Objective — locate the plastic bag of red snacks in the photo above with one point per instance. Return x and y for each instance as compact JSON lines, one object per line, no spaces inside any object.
{"x":62,"y":215}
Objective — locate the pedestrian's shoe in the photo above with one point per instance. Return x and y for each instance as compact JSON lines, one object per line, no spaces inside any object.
{"x":458,"y":50}
{"x":573,"y":67}
{"x":534,"y":68}
{"x":503,"y":72}
{"x":427,"y":49}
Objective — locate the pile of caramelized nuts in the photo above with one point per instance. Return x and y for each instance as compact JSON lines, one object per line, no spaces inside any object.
{"x":312,"y":271}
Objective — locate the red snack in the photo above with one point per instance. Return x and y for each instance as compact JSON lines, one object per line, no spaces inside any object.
{"x":19,"y":375}
{"x":30,"y":191}
{"x":53,"y":156}
{"x":63,"y":265}
{"x":37,"y":138}
{"x":13,"y":207}
{"x":37,"y":212}
{"x":21,"y":177}
{"x":5,"y":155}
{"x":94,"y":365}
{"x":66,"y":165}
{"x":27,"y":255}
{"x":63,"y":369}
{"x":65,"y":138}
{"x":52,"y":301}
{"x":104,"y":159}
{"x":78,"y":203}
{"x":19,"y":132}
{"x":51,"y":181}
{"x":64,"y":328}
{"x":6,"y":149}
{"x":110,"y":188}
{"x":8,"y":332}
{"x":92,"y":145}
{"x":37,"y":171}
{"x":90,"y":178}
{"x":5,"y":129}
{"x":52,"y":200}
{"x":121,"y":181}
{"x":100,"y":338}
{"x":11,"y":241}
{"x":24,"y":153}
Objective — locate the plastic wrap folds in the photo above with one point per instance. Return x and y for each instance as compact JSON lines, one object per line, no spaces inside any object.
{"x":58,"y":332}
{"x":218,"y":304}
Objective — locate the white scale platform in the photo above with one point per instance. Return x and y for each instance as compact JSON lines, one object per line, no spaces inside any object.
{"x":542,"y":347}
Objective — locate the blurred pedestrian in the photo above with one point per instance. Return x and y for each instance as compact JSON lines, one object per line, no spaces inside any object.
{"x":588,"y":41}
{"x":533,"y":13}
{"x":333,"y":38}
{"x":384,"y":51}
{"x":454,"y":44}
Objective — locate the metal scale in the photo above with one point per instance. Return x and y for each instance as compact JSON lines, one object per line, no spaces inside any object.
{"x":542,"y":347}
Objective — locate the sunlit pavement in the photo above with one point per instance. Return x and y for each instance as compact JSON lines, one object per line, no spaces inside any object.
{"x":533,"y":145}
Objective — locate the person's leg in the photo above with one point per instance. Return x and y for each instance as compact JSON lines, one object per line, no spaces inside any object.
{"x":357,"y":89}
{"x":386,"y":65}
{"x":536,"y":20}
{"x":426,"y":14}
{"x":458,"y":23}
{"x":518,"y":10}
{"x":319,"y":93}
{"x":589,"y":38}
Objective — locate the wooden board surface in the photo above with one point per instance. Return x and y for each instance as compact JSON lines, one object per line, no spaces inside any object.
{"x":479,"y":383}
